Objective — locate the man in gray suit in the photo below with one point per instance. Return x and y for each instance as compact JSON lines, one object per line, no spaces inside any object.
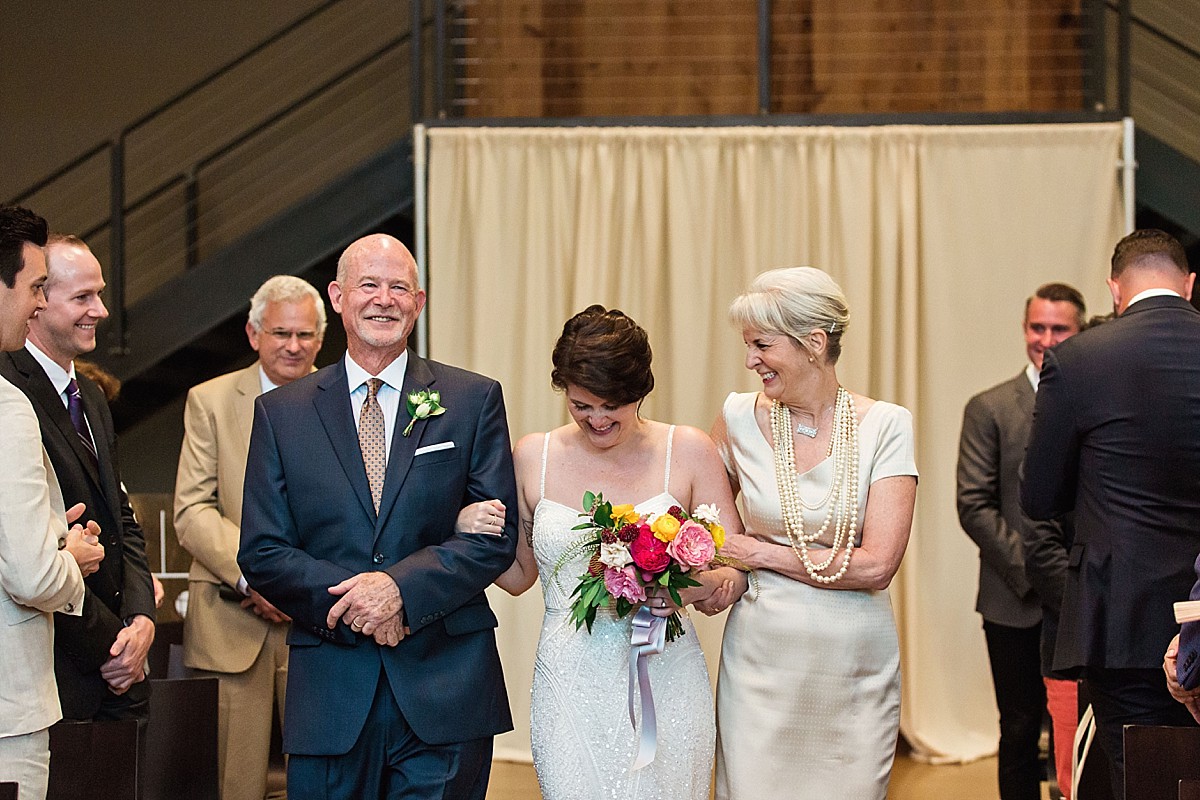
{"x":995,"y":431}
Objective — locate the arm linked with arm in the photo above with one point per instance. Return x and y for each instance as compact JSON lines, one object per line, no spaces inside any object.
{"x":438,"y":579}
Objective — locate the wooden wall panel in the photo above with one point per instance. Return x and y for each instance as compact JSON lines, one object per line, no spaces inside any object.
{"x":667,"y":57}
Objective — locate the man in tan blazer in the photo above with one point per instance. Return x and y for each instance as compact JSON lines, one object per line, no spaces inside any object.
{"x":40,"y":560}
{"x":230,"y":631}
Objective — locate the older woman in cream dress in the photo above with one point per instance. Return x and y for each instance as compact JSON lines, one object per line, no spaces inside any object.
{"x":808,"y":698}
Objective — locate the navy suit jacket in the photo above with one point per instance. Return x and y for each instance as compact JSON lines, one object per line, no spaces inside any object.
{"x":308,"y":523}
{"x":121,"y":587}
{"x":1116,"y":438}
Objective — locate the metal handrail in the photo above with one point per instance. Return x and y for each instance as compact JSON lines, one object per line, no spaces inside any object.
{"x":60,"y":172}
{"x":229,"y":67}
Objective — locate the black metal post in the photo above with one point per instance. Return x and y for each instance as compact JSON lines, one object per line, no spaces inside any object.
{"x":764,"y":56}
{"x":191,"y":219}
{"x":418,"y":63}
{"x":1124,"y":57}
{"x":439,"y":58}
{"x":116,"y":245}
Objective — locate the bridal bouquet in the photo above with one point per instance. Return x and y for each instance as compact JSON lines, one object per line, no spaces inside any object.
{"x":634,"y":556}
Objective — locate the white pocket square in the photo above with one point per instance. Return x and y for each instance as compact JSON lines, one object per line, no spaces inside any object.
{"x":430,"y":448}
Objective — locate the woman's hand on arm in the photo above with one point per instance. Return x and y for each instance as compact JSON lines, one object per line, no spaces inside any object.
{"x":486,"y":516}
{"x":720,"y":588}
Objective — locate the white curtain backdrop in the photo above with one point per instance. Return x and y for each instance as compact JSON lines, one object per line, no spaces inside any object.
{"x":937,"y":235}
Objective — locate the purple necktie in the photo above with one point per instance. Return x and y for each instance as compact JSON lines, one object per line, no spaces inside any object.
{"x":75,"y":409}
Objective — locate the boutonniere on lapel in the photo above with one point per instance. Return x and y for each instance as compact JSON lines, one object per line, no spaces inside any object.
{"x":423,"y":405}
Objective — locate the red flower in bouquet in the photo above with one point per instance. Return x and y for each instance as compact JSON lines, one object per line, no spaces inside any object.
{"x":649,"y":552}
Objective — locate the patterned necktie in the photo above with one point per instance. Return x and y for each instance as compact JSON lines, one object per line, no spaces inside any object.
{"x":372,"y":440}
{"x":75,"y":409}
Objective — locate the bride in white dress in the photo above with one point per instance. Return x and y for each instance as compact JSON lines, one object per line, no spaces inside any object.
{"x":583,"y":744}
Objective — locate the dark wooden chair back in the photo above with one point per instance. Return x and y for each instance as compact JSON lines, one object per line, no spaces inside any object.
{"x":1157,"y":758}
{"x":181,"y":740}
{"x":1189,"y":790}
{"x":93,"y":759}
{"x":8,"y":791}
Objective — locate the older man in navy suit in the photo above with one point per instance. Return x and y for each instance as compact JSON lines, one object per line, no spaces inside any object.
{"x":1114,"y":439}
{"x":354,"y":480}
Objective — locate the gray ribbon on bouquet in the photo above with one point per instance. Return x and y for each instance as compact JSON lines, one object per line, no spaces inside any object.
{"x":649,"y":638}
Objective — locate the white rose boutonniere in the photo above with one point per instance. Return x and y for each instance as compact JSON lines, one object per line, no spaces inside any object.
{"x":423,"y":405}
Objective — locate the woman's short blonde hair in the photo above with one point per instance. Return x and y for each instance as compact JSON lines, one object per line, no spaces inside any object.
{"x":794,"y":302}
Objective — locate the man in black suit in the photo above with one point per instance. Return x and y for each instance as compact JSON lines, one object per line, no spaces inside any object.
{"x":995,"y":432}
{"x":354,"y":481}
{"x":99,"y":658}
{"x":1115,"y":440}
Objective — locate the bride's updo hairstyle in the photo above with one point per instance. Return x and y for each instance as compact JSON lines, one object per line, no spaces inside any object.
{"x":606,"y":353}
{"x":794,"y":302}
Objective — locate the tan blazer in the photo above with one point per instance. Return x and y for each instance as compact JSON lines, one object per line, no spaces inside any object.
{"x":36,"y":578}
{"x":218,"y":634}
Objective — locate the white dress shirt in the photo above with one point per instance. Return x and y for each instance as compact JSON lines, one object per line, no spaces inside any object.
{"x":1152,"y":293}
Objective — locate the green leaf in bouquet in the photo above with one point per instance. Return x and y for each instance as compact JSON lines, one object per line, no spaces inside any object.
{"x":683,"y":580}
{"x":592,"y":594}
{"x":589,"y":501}
{"x":583,"y":545}
{"x":675,"y":595}
{"x":623,"y":607}
{"x":603,"y":515}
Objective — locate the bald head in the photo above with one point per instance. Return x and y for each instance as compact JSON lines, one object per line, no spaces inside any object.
{"x":378,"y":297}
{"x":376,"y":245}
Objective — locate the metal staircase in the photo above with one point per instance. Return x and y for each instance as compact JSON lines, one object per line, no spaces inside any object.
{"x":268,"y":165}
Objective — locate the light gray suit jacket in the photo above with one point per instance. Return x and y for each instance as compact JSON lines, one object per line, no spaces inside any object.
{"x":36,"y":577}
{"x":995,"y":431}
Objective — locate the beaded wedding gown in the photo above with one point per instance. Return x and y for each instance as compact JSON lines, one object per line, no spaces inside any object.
{"x":808,"y":698}
{"x":583,"y":744}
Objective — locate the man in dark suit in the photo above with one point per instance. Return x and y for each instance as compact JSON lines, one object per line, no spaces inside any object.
{"x":1114,"y":440}
{"x":994,"y":434}
{"x":99,"y":658}
{"x":354,"y":480}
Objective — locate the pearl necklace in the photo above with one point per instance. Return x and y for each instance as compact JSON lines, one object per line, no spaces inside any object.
{"x":842,"y":497}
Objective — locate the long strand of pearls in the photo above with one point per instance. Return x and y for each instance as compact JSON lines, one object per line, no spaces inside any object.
{"x":842,"y":497}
